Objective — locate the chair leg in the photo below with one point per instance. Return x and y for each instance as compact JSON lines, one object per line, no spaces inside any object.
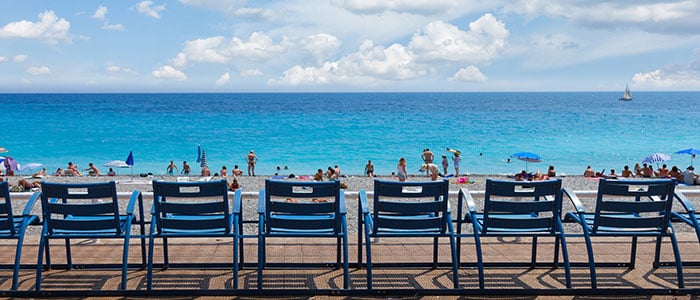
{"x":346,"y":272}
{"x":657,"y":253}
{"x":261,"y":260}
{"x":368,"y":248}
{"x":338,"y":248}
{"x":565,"y":256}
{"x":533,"y":258}
{"x":39,"y":260}
{"x":556,"y":252}
{"x":479,"y":259}
{"x":591,"y":261}
{"x":125,"y":261}
{"x":69,"y":258}
{"x":435,"y":253}
{"x":166,"y":257}
{"x":149,"y":276}
{"x":18,"y":256}
{"x":679,"y":264}
{"x":359,"y":237}
{"x":235,"y":262}
{"x":455,"y":267}
{"x":633,"y":253}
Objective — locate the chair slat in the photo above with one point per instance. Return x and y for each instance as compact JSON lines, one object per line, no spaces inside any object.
{"x":631,"y":222}
{"x":79,"y":224}
{"x":520,"y":207}
{"x":302,"y":207}
{"x":408,"y":208}
{"x":417,"y":223}
{"x":81,"y":209}
{"x":633,"y":206}
{"x":193,"y":223}
{"x":192,"y":208}
{"x":518,"y":223}
{"x":301,"y":224}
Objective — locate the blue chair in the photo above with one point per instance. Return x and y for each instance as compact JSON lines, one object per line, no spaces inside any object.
{"x":629,"y":208}
{"x":517,"y":209}
{"x":406,"y":209}
{"x":13,"y":226}
{"x":193,"y":210}
{"x":290,"y":209}
{"x":688,"y":216}
{"x":85,"y":211}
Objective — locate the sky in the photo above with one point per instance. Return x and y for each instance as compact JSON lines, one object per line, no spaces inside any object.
{"x":348,"y":45}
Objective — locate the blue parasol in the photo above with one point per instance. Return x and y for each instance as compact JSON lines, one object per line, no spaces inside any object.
{"x":199,"y":153}
{"x":130,"y":161}
{"x":690,"y":151}
{"x":528,"y":157}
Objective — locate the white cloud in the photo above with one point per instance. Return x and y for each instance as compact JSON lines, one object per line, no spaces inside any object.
{"x":421,"y":7}
{"x":217,"y":50}
{"x":168,"y":72}
{"x":223,"y":79}
{"x":49,"y":28}
{"x":117,"y":70}
{"x":100,"y":13}
{"x":20,"y":58}
{"x":256,"y":13}
{"x":3,"y":59}
{"x":38,"y":71}
{"x":251,"y":73}
{"x":108,"y":26}
{"x":442,"y":41}
{"x":469,"y":74}
{"x":321,"y":45}
{"x":226,"y":6}
{"x":368,"y":64}
{"x":146,"y":7}
{"x":674,"y":76}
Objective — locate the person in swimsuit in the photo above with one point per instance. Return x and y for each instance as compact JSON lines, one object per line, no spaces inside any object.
{"x":445,"y":164}
{"x":252,"y":159}
{"x":185,"y":168}
{"x":369,"y":169}
{"x":172,"y":168}
{"x":402,"y":169}
{"x":427,"y":158}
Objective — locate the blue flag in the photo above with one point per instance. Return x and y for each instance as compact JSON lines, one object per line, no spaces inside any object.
{"x":130,"y":159}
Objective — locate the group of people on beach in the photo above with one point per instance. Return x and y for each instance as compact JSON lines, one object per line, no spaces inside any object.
{"x":72,"y":170}
{"x":647,"y":171}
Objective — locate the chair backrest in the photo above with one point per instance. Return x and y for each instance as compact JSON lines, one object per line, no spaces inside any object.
{"x":6,"y":216}
{"x":633,"y":205}
{"x":410,"y":206}
{"x":532,"y":206}
{"x":191,"y":206}
{"x":80,"y":206}
{"x":285,"y":199}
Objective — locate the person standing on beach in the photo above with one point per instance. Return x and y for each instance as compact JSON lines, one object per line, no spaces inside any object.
{"x":252,"y":160}
{"x":223,"y":172}
{"x":455,"y":162}
{"x":445,"y":164}
{"x":185,"y":168}
{"x":172,"y":167}
{"x":427,"y":158}
{"x":369,"y":169}
{"x":336,"y":172}
{"x":402,"y":169}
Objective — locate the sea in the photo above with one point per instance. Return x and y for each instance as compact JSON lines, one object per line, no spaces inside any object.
{"x":303,"y":132}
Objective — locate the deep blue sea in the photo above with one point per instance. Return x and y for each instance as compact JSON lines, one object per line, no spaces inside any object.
{"x":307,"y":131}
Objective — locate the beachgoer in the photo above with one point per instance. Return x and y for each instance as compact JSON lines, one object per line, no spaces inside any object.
{"x":689,"y":176}
{"x":223,"y":172}
{"x":369,"y":169}
{"x":432,"y":169}
{"x":92,"y":170}
{"x":40,"y":174}
{"x":236,"y":171}
{"x":647,"y":171}
{"x":111,"y":172}
{"x":402,"y":169}
{"x":329,"y":173}
{"x":637,"y":170}
{"x":185,"y":168}
{"x":252,"y":160}
{"x":612,"y":174}
{"x":523,"y":176}
{"x":662,"y":172}
{"x":58,"y":172}
{"x":551,"y":172}
{"x":336,"y":172}
{"x":319,"y":175}
{"x":74,"y":169}
{"x":427,"y":158}
{"x":28,"y":186}
{"x":539,"y":176}
{"x":205,"y":171}
{"x":445,"y":164}
{"x":455,"y":163}
{"x":172,"y":168}
{"x":626,"y":172}
{"x":589,"y":172}
{"x":676,"y":174}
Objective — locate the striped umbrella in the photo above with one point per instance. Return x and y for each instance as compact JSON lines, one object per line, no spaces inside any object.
{"x":656,"y":158}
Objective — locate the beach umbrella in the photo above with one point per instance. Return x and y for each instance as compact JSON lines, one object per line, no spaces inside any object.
{"x":690,"y":151}
{"x":116,"y":164}
{"x":3,"y":150}
{"x":10,"y":164}
{"x":130,"y":161}
{"x":199,"y":153}
{"x":29,"y":167}
{"x":527,"y":157}
{"x":656,"y":158}
{"x":203,"y":159}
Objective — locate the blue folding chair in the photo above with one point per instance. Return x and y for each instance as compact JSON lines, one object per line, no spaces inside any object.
{"x":85,"y":211}
{"x":517,"y":209}
{"x":406,"y":209}
{"x":629,"y":208}
{"x":193,"y":210}
{"x":291,"y":209}
{"x":13,"y":226}
{"x":687,"y":216}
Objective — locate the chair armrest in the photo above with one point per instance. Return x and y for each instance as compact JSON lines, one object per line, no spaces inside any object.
{"x":362,"y":199}
{"x":467,"y":197}
{"x":341,"y":205}
{"x":153,"y":208}
{"x":261,"y":202}
{"x":575,"y":201}
{"x":30,"y":203}
{"x":237,"y":202}
{"x":687,"y":205}
{"x":135,"y":195}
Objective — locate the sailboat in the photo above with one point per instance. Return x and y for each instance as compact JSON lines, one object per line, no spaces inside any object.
{"x":627,"y":96}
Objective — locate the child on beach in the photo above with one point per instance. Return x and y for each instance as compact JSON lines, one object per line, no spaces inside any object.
{"x":455,"y":162}
{"x":402,"y":169}
{"x":445,"y":164}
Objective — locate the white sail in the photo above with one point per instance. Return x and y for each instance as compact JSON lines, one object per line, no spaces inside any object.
{"x":627,"y":96}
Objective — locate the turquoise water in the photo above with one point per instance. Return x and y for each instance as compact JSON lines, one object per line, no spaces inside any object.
{"x":308,"y":131}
